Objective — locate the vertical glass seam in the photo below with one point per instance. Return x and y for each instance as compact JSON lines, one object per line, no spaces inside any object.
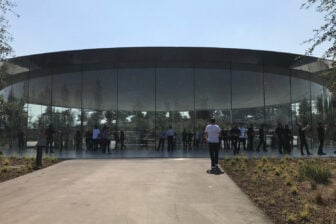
{"x":231,"y":115}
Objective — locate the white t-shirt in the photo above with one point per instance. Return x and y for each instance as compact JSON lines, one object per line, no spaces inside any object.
{"x":213,"y":132}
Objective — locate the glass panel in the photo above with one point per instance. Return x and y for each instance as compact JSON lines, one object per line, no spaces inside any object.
{"x":277,"y":103}
{"x":212,"y":99}
{"x":39,"y":107}
{"x":5,"y":95}
{"x":247,"y":98}
{"x":329,"y":119}
{"x":301,"y":107}
{"x":175,"y":101}
{"x":136,"y":104}
{"x":20,"y":107}
{"x":99,"y":104}
{"x":67,"y":91}
{"x":13,"y":120}
{"x":318,"y":107}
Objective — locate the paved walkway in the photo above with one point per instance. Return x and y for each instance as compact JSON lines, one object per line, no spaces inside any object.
{"x":126,"y":191}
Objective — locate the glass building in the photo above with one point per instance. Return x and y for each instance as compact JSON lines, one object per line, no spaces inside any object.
{"x":144,"y":90}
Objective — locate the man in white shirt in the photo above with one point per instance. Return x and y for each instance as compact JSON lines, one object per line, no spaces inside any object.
{"x":212,"y":132}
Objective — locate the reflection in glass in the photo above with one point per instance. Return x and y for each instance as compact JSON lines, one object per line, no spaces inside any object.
{"x":301,"y":105}
{"x":247,"y":97}
{"x":145,"y":101}
{"x":175,"y":100}
{"x":277,"y":100}
{"x":136,"y":106}
{"x":212,"y":98}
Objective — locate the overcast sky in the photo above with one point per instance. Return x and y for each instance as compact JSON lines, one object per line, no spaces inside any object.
{"x":58,"y":25}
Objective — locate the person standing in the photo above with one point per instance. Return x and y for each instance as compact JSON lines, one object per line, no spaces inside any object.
{"x":184,"y":138}
{"x":287,"y":137}
{"x":21,"y":141}
{"x":170,"y":136}
{"x":88,"y":140}
{"x":162,"y":138}
{"x":279,"y":131}
{"x":122,"y":140}
{"x":78,"y":140}
{"x":225,"y":137}
{"x":197,"y":139}
{"x":49,"y":135}
{"x":242,"y":138}
{"x":190,"y":138}
{"x":235,"y":132}
{"x":212,"y":132}
{"x":262,"y":139}
{"x":303,"y":141}
{"x":95,"y":137}
{"x":250,"y":137}
{"x":116,"y":139}
{"x":320,"y":135}
{"x":104,"y":138}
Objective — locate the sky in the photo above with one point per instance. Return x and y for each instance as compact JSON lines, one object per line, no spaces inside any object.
{"x":52,"y":26}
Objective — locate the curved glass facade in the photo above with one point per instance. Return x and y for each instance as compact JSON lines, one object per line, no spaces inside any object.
{"x":144,"y":98}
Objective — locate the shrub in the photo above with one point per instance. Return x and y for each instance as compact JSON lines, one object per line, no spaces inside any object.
{"x":6,"y":162}
{"x":264,"y":159}
{"x":301,"y":162}
{"x":291,"y":218}
{"x":293,"y":190}
{"x":304,"y":214}
{"x":5,"y":169}
{"x":315,"y":172}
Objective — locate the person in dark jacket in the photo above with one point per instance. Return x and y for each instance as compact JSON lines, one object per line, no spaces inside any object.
{"x":287,"y":138}
{"x":320,"y":135}
{"x":122,"y":140}
{"x":262,"y":139}
{"x":235,"y":132}
{"x":302,"y":136}
{"x":250,"y":137}
{"x":279,"y":131}
{"x":49,"y":135}
{"x":225,"y":137}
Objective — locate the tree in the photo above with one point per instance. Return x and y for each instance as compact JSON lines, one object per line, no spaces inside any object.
{"x":326,"y":35}
{"x":327,"y":32}
{"x":5,"y":37}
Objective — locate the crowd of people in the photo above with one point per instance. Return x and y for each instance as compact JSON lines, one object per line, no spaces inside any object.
{"x":97,"y":139}
{"x":250,"y":139}
{"x":234,"y":138}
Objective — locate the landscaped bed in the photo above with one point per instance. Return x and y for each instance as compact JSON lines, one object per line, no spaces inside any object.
{"x":288,"y":190}
{"x":11,"y":167}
